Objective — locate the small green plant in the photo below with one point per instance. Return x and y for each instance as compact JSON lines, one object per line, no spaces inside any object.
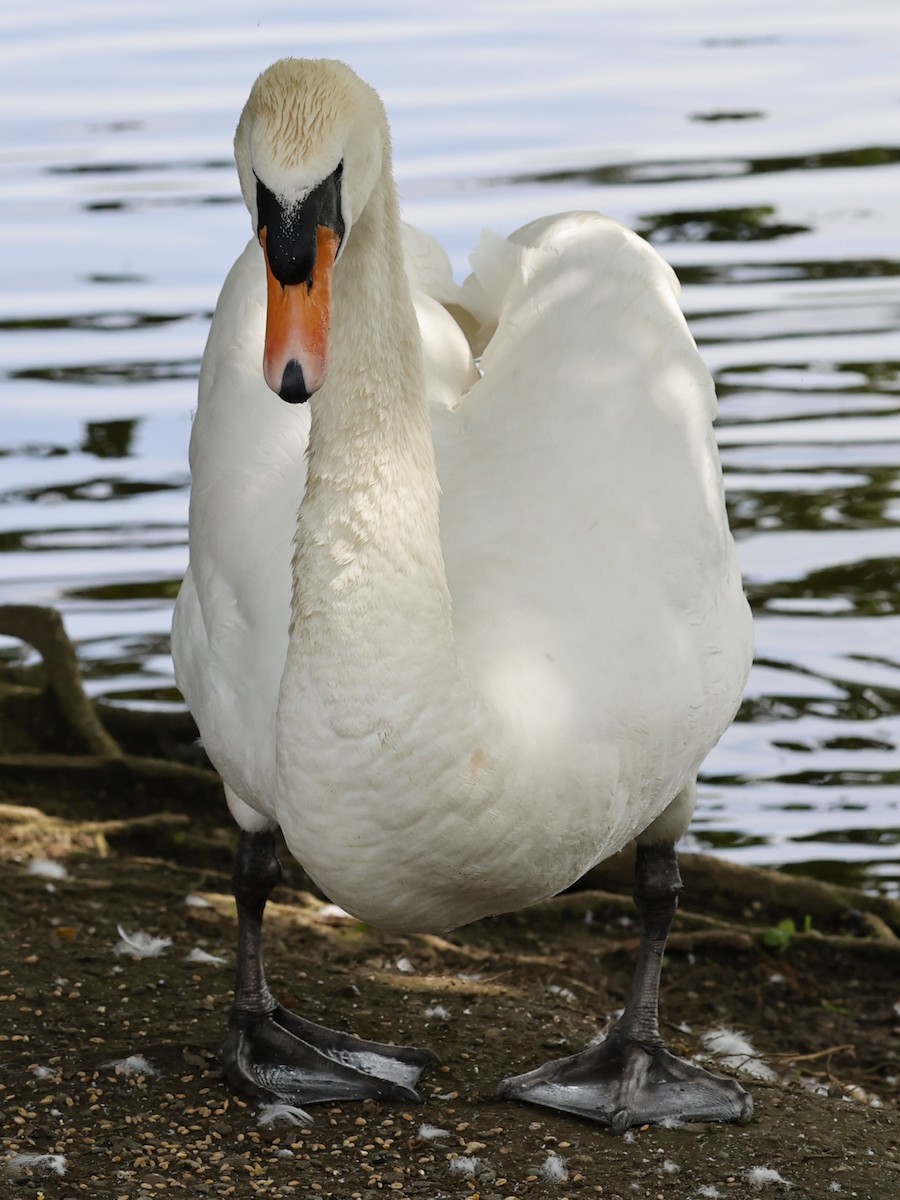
{"x":780,"y":935}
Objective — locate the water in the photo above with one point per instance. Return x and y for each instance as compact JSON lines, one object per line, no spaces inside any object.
{"x":755,"y":143}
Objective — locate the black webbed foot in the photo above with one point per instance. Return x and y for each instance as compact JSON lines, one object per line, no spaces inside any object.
{"x":280,"y":1057}
{"x":622,"y":1082}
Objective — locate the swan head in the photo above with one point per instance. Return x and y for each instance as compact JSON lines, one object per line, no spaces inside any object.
{"x":310,"y":145}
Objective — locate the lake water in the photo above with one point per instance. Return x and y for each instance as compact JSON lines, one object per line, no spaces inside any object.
{"x":755,"y":143}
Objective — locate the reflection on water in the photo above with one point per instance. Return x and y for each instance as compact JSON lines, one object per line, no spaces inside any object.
{"x":706,"y":169}
{"x":754,"y":144}
{"x":725,"y":225}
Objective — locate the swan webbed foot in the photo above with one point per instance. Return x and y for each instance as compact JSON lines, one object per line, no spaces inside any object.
{"x":623,"y":1082}
{"x":631,"y":1078}
{"x":280,"y":1057}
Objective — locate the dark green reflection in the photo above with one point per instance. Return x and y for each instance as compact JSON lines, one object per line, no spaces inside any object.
{"x":867,"y":876}
{"x":725,"y":839}
{"x":144,"y":695}
{"x":856,"y":702}
{"x":882,"y":375}
{"x":106,"y":321}
{"x":115,"y":372}
{"x":856,"y":743}
{"x":146,"y":168}
{"x":753,"y":114}
{"x":145,"y":589}
{"x":160,"y":202}
{"x":98,"y":489}
{"x":699,"y":274}
{"x":822,"y":778}
{"x":130,"y":659}
{"x":115,"y":277}
{"x":865,"y":507}
{"x":680,"y":170}
{"x":872,"y":588}
{"x":109,"y":439}
{"x":853,"y":837}
{"x":827,"y":160}
{"x":718,"y":225}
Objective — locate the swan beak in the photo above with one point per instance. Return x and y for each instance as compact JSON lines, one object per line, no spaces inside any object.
{"x":298,"y":319}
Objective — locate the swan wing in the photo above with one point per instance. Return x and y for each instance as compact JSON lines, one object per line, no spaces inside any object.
{"x":427,"y":266}
{"x":596,"y":592}
{"x":248,"y":469}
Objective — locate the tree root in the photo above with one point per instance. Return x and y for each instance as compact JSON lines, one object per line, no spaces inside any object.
{"x":104,"y":765}
{"x":43,"y":629}
{"x":758,"y":894}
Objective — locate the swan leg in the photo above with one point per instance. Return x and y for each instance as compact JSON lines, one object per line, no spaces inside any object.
{"x":274,"y":1055}
{"x":631,"y":1078}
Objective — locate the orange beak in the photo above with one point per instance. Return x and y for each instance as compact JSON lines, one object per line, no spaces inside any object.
{"x":298,"y":320}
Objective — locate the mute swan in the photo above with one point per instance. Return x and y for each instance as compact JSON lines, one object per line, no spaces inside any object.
{"x":430,"y":763}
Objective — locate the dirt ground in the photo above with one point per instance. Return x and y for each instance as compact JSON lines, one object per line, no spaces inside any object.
{"x":135,"y":835}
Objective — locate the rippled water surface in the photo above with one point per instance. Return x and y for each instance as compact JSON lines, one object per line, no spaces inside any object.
{"x":756,"y":144}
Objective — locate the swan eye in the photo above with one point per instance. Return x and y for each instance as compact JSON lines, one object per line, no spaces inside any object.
{"x":339,"y":170}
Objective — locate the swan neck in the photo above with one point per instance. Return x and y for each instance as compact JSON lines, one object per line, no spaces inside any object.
{"x":368,"y":534}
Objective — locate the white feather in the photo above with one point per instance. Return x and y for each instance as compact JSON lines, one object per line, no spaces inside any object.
{"x":464,"y":1164}
{"x":140,"y":944}
{"x":37,"y":1162}
{"x":271,"y":1114}
{"x":734,"y":1050}
{"x":197,"y":955}
{"x":47,"y":868}
{"x":134,"y":1064}
{"x":554,"y":1169}
{"x":760,"y":1177}
{"x":432,"y":1133}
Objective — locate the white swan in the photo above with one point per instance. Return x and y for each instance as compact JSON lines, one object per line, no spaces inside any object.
{"x":451,"y":708}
